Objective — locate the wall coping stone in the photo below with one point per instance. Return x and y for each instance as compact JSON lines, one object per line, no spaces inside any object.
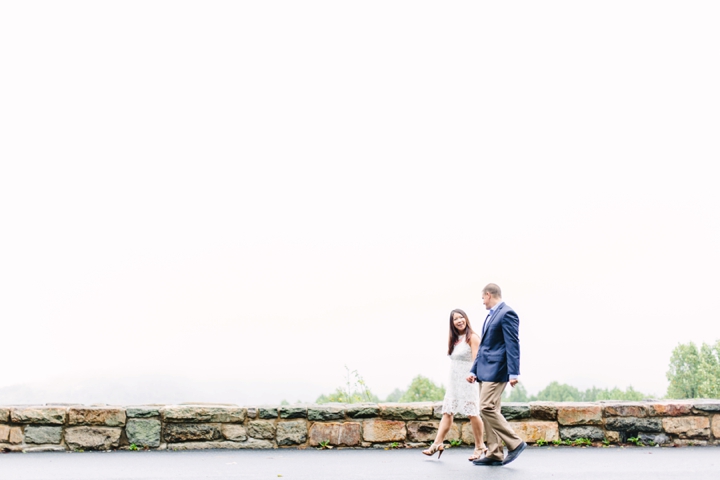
{"x":191,"y":426}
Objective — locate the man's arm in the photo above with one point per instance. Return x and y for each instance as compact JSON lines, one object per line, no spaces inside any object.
{"x":511,"y":332}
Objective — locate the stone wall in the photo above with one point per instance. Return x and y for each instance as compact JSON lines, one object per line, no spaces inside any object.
{"x":389,"y":425}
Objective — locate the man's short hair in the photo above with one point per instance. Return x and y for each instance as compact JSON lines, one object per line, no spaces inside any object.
{"x":493,"y":290}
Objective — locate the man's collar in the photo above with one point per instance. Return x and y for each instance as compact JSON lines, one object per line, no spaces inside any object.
{"x":496,"y":307}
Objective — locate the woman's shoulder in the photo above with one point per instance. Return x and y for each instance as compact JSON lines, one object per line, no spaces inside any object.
{"x":475,"y":338}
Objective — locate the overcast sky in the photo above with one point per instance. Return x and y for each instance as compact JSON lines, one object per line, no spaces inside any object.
{"x":249,"y":191}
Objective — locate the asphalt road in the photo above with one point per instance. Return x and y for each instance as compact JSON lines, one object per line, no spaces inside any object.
{"x":697,"y":463}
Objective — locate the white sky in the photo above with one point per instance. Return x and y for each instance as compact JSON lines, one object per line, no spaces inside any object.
{"x":272,"y":190}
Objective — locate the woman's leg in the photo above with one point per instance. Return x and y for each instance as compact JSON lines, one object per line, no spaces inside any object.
{"x":443,"y":428}
{"x":477,"y":428}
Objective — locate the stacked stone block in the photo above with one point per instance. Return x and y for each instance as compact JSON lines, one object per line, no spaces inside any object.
{"x":369,"y":425}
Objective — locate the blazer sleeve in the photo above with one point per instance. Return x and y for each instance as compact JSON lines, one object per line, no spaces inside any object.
{"x":511,"y":332}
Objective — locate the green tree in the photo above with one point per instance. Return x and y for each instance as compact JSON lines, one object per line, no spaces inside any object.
{"x":355,"y":390}
{"x":422,"y":389}
{"x":708,"y":372}
{"x":557,"y":392}
{"x":516,"y":394}
{"x":395,"y":395}
{"x":595,"y":394}
{"x":683,"y":372}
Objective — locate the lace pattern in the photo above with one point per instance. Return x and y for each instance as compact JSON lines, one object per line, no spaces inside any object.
{"x":461,"y":397}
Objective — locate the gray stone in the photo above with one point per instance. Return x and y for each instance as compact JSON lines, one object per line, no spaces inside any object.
{"x":4,"y":415}
{"x":267,"y":412}
{"x":291,"y":433}
{"x":362,"y":410}
{"x":143,"y":432}
{"x":43,"y":435}
{"x":203,"y":414}
{"x":708,"y":406}
{"x":515,"y":411}
{"x":654,"y":438}
{"x":406,"y":411}
{"x":92,"y":438}
{"x":233,"y":432}
{"x":633,"y":424}
{"x":324,"y":413}
{"x":261,"y":429}
{"x":293,"y":411}
{"x":39,"y":415}
{"x":142,"y":412}
{"x":249,"y":445}
{"x":575,"y":433}
{"x":191,"y":432}
{"x":543,"y":410}
{"x":252,"y":412}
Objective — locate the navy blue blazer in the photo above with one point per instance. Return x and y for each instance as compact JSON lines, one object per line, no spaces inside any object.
{"x":499,"y":354}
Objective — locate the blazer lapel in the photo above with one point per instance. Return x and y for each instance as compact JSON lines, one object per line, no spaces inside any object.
{"x":491,"y":320}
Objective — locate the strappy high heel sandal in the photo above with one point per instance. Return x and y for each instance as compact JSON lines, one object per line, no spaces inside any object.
{"x":434,"y":448}
{"x":478,"y":453}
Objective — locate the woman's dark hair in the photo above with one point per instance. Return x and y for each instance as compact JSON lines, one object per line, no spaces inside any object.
{"x":454,"y":334}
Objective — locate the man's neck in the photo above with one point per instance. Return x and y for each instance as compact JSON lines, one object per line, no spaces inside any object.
{"x":494,"y":303}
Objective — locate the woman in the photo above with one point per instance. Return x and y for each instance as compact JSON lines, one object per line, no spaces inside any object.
{"x":461,"y":396}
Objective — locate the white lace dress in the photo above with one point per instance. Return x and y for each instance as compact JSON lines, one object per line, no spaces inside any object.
{"x":461,"y":397}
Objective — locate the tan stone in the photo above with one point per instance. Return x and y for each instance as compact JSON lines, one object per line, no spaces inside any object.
{"x":6,"y":447}
{"x":203,"y":414}
{"x":234,"y":432}
{"x":674,"y":409}
{"x":4,"y":415}
{"x":531,"y":431}
{"x":10,"y":434}
{"x":716,"y":426}
{"x":579,"y":414}
{"x":92,"y":438}
{"x":251,"y":444}
{"x":612,"y":437}
{"x":627,"y":409}
{"x":16,"y":435}
{"x":100,"y":416}
{"x":685,"y":442}
{"x":337,"y":434}
{"x":39,"y":415}
{"x":422,"y":431}
{"x":380,"y":431}
{"x":687,"y":426}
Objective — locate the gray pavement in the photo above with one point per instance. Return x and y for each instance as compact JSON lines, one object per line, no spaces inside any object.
{"x":697,"y":463}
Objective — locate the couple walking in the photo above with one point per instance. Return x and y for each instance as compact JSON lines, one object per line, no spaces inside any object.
{"x":496,"y":355}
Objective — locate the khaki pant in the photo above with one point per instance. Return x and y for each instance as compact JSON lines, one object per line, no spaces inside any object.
{"x":496,"y":427}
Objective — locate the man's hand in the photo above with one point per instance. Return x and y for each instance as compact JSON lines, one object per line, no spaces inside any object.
{"x":471,"y":378}
{"x":513,"y":382}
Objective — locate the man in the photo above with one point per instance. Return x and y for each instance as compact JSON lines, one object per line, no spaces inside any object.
{"x":497,"y":363}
